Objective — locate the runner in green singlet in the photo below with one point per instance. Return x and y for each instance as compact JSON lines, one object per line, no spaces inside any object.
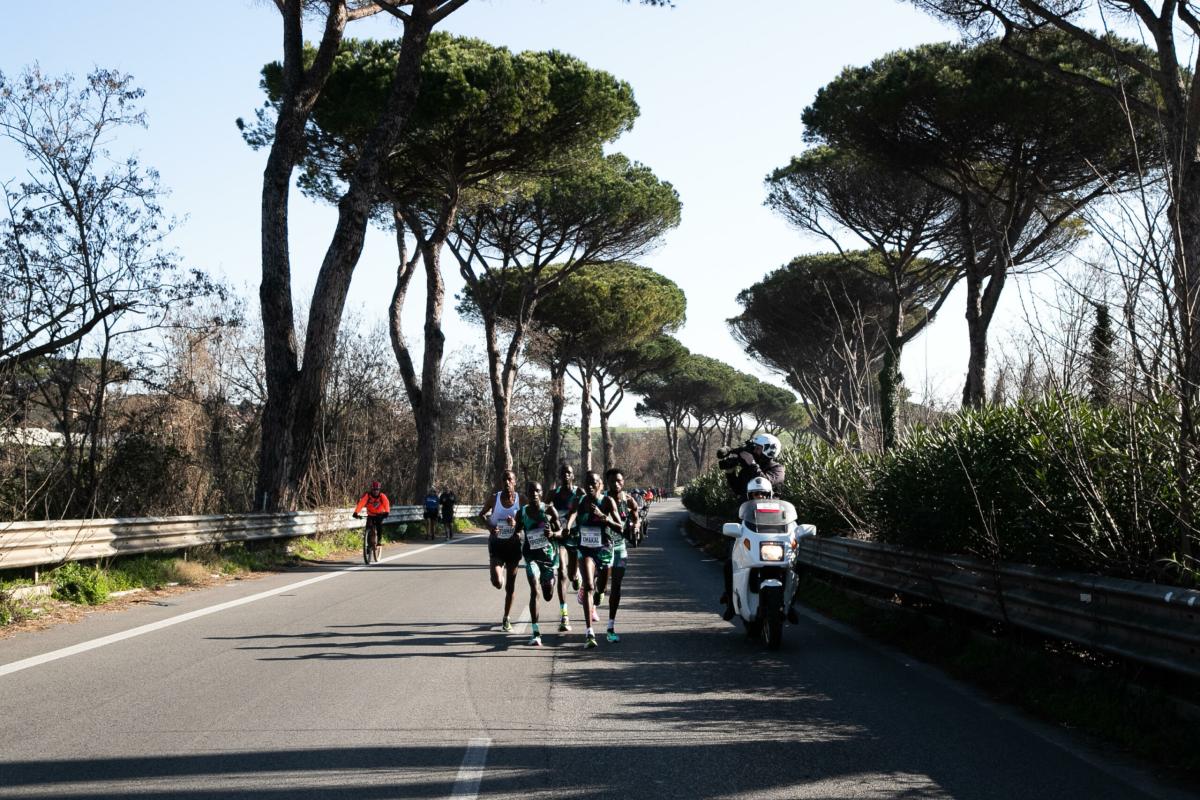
{"x":593,"y":519}
{"x":614,"y":574}
{"x":561,"y":498}
{"x":538,"y":522}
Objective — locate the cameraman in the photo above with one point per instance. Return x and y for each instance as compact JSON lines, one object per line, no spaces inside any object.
{"x":755,"y":459}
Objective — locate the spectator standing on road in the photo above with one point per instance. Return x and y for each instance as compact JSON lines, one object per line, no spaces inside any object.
{"x":431,"y":513}
{"x":447,"y":501}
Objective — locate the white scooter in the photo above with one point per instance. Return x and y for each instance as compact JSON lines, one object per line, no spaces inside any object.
{"x":767,"y":539}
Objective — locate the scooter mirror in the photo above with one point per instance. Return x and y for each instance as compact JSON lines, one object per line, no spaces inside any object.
{"x":806,"y":530}
{"x":731,"y":529}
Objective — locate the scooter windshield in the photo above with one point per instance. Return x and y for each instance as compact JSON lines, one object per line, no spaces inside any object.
{"x":767,"y":517}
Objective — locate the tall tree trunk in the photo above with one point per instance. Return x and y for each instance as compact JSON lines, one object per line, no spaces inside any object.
{"x":280,"y":350}
{"x":585,"y":421}
{"x":605,"y":412}
{"x":501,"y":398}
{"x":429,"y":419}
{"x":672,"y":454}
{"x":424,"y":394}
{"x":295,"y":395}
{"x":606,"y":440}
{"x":889,"y":373}
{"x":976,"y":384}
{"x":558,"y":401}
{"x":1186,"y":220}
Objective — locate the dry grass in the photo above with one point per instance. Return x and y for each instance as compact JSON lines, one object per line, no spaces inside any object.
{"x":191,"y":573}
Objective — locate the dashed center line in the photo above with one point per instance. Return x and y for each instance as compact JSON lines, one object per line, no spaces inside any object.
{"x":466,"y":787}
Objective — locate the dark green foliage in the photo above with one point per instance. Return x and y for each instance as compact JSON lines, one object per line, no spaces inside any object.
{"x":149,"y":571}
{"x":709,"y":494}
{"x":1059,"y":483}
{"x":827,"y":485}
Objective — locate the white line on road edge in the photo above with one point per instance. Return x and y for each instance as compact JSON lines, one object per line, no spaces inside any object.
{"x":83,"y":647}
{"x":471,"y":771}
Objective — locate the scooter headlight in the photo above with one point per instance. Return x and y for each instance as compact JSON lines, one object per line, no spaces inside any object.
{"x":771,"y":551}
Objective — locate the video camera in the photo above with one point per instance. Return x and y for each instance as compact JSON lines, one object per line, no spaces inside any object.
{"x":729,"y":459}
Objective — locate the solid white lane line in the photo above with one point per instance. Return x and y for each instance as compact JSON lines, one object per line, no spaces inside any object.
{"x":466,"y":787}
{"x":83,"y":647}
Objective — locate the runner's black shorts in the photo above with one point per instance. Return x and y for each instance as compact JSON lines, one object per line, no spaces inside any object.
{"x":505,"y":551}
{"x":431,"y":513}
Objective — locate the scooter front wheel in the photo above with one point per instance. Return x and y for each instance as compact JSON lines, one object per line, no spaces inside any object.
{"x":772,"y":630}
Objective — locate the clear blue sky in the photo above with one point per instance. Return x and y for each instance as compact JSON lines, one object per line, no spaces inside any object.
{"x":721,"y":86}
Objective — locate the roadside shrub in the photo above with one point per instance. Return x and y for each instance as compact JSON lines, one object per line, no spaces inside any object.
{"x":709,"y":494}
{"x":149,"y":571}
{"x":11,"y":609}
{"x":829,"y":487}
{"x":962,"y":487}
{"x":1057,"y":483}
{"x":76,"y":583}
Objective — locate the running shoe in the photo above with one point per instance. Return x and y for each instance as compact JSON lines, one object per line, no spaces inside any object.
{"x":612,"y":636}
{"x":595,"y":616}
{"x":579,"y":596}
{"x":564,"y":622}
{"x":536,"y":641}
{"x":506,"y":626}
{"x":590,"y":642}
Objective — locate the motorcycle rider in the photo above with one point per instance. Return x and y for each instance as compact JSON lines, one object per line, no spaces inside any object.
{"x":758,"y":458}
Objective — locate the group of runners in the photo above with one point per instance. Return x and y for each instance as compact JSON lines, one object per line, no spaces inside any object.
{"x":578,"y":533}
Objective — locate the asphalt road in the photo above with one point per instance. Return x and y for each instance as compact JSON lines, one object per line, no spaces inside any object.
{"x":395,"y":681}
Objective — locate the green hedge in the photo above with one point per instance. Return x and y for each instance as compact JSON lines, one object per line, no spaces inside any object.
{"x":1056,"y":483}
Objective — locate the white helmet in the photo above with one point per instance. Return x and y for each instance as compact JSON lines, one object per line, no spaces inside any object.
{"x":759,"y":485}
{"x":771,"y":445}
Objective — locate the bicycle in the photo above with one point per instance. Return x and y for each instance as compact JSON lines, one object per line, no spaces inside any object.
{"x":372,"y":533}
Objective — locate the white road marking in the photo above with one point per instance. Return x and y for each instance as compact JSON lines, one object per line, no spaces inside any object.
{"x":471,"y":771}
{"x":83,"y":647}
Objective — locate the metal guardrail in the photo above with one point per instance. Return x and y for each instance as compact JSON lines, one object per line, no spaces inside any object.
{"x":34,"y":544}
{"x":1144,"y":622}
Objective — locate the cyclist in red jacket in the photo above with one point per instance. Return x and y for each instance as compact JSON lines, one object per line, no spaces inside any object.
{"x":378,"y":507}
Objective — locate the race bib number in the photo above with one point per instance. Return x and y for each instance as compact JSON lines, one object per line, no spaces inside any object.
{"x":505,"y":531}
{"x":591,"y":536}
{"x":536,"y":538}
